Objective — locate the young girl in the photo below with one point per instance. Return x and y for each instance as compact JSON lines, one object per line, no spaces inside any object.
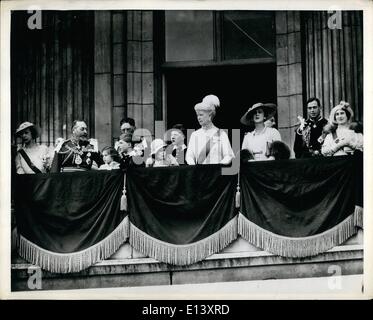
{"x":158,"y":156}
{"x":109,"y":155}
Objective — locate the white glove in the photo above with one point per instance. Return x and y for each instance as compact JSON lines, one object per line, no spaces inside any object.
{"x":302,"y":122}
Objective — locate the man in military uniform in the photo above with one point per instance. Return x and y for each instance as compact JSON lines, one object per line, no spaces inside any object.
{"x":78,"y":153}
{"x":308,"y":139}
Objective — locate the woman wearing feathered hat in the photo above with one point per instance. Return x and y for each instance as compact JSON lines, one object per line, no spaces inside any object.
{"x":340,"y":139}
{"x":258,"y":141}
{"x":209,"y":144}
{"x":31,"y":157}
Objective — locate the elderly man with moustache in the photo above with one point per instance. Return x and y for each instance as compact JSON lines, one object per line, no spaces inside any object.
{"x":79,"y":153}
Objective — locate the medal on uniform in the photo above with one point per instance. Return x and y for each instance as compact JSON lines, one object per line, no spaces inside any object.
{"x":78,"y":159}
{"x":88,"y":160}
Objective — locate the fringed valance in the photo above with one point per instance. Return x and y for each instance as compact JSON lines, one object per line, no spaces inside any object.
{"x":187,"y":253}
{"x":67,"y":222}
{"x":296,"y":208}
{"x":75,"y":261}
{"x":293,"y":247}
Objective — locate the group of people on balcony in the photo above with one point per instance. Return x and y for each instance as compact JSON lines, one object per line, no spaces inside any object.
{"x":315,"y":136}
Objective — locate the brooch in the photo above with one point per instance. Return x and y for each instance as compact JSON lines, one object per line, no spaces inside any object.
{"x":78,"y":159}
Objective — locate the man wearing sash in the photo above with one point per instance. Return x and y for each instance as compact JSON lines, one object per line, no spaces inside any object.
{"x":78,"y":153}
{"x":209,"y":144}
{"x":31,"y":158}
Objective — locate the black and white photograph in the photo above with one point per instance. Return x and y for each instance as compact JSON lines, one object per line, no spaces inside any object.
{"x":185,"y":152}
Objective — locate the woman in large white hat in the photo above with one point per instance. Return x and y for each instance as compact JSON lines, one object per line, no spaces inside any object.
{"x":258,"y":142}
{"x":209,"y":144}
{"x":158,"y":156}
{"x":341,"y":140}
{"x":31,"y":157}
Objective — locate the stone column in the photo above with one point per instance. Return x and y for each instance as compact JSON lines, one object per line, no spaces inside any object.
{"x":140,"y":68}
{"x":119,"y":78}
{"x":102,"y":77}
{"x":289,"y":74}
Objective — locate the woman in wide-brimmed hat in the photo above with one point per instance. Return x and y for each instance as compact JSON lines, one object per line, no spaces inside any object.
{"x":340,"y":139}
{"x":209,"y":144}
{"x":31,"y":157}
{"x":158,"y":156}
{"x":258,"y":141}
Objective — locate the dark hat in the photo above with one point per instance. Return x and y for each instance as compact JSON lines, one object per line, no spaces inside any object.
{"x":26,"y":125}
{"x":268,"y":108}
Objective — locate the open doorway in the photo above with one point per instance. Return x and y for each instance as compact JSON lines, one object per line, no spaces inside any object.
{"x":238,"y":87}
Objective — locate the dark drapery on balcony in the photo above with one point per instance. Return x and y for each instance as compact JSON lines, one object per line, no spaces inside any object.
{"x":181,"y":215}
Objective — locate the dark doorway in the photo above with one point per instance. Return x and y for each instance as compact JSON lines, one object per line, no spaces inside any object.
{"x":238,"y":87}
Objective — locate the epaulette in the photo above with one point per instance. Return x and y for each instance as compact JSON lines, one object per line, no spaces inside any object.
{"x":59,"y":145}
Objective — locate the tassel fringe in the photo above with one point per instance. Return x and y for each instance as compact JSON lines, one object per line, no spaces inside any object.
{"x":238,"y":198}
{"x":302,"y":246}
{"x":76,"y":261}
{"x":123,"y":199}
{"x":123,"y":203}
{"x":189,"y":253}
{"x":15,"y":239}
{"x":183,"y":254}
{"x":358,"y":217}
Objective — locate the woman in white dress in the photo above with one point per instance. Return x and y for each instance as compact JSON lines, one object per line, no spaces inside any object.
{"x":31,"y":157}
{"x":209,"y":144}
{"x":258,"y":142}
{"x":341,"y":140}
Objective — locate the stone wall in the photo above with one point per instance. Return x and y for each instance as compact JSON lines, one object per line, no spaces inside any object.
{"x":140,"y":68}
{"x":289,"y":73}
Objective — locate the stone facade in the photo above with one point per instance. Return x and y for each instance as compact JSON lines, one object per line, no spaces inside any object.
{"x":289,"y":74}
